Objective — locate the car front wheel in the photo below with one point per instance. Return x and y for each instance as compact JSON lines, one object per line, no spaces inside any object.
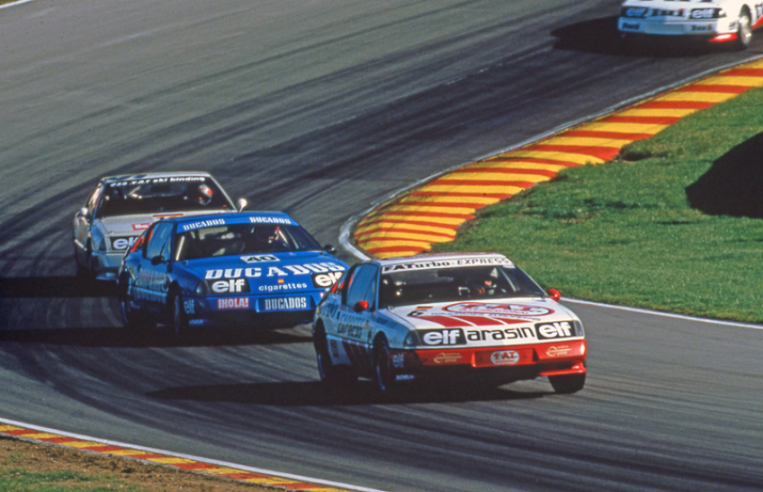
{"x":179,"y":318}
{"x":744,"y":31}
{"x":384,"y":376}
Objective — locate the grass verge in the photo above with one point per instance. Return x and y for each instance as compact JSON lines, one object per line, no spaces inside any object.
{"x":29,"y":467}
{"x":674,"y":224}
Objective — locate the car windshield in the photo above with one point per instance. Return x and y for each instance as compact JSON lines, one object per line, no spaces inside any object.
{"x":243,"y":239}
{"x":162,"y":195}
{"x":404,"y":288}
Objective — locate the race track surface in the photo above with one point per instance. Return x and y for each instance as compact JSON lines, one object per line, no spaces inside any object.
{"x":321,"y":109}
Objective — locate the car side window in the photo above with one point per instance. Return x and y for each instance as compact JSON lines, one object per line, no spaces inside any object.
{"x":360,"y":285}
{"x":159,"y":243}
{"x":92,"y":202}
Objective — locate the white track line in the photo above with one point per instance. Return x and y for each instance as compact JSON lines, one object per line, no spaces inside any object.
{"x":226,"y":464}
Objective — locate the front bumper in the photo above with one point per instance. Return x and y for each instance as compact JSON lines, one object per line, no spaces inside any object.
{"x":495,"y":365}
{"x":661,"y":27}
{"x":261,"y":311}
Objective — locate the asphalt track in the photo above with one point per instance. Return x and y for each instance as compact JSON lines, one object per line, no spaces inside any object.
{"x":320,"y":109}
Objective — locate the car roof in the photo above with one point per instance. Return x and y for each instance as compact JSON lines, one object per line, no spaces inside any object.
{"x":447,"y":259}
{"x":167,"y":174}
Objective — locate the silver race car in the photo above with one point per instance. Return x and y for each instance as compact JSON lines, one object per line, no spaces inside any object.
{"x":452,"y":317}
{"x":718,"y":21}
{"x":120,"y":208}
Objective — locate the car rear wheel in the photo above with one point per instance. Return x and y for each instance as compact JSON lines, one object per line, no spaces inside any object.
{"x":84,"y":270}
{"x":334,"y":377}
{"x":744,"y":31}
{"x":565,"y":385}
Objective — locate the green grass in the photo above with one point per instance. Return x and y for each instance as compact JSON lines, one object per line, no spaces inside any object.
{"x":21,"y":480}
{"x":624,"y":232}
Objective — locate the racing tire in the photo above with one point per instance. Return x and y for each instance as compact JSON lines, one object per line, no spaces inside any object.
{"x":565,"y":385}
{"x":744,"y":31}
{"x":179,"y":317}
{"x":84,"y":271}
{"x":383,"y":375}
{"x":333,"y":377}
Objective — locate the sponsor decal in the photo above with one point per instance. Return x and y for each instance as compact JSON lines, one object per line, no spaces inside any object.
{"x":334,"y":348}
{"x":667,"y":13}
{"x":259,"y":258}
{"x":502,"y":334}
{"x":696,"y":28}
{"x":627,"y":26}
{"x":141,"y":227}
{"x":274,"y":271}
{"x":143,"y":181}
{"x":405,"y":377}
{"x":281,"y":287}
{"x":189,"y":306}
{"x":495,"y":309}
{"x":285,"y":304}
{"x":558,"y":351}
{"x":233,"y":303}
{"x":148,"y":286}
{"x":504,"y":358}
{"x":325,"y":280}
{"x":122,"y":243}
{"x":202,"y":223}
{"x":270,"y":220}
{"x":447,"y":358}
{"x":562,"y":329}
{"x":453,"y":336}
{"x":635,"y":12}
{"x":230,"y":286}
{"x":429,"y":265}
{"x":398,"y":361}
{"x":703,"y":14}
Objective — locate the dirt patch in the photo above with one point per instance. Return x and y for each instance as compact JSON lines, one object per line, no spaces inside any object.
{"x":110,"y":471}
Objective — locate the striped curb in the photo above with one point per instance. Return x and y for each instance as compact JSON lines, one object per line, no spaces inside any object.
{"x":433,"y":212}
{"x":162,"y":458}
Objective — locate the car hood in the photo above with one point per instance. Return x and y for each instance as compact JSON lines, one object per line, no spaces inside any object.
{"x":494,"y":312}
{"x":272,"y":272}
{"x":496,"y":322}
{"x":134,"y":225}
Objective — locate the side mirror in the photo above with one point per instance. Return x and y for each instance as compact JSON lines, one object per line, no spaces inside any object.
{"x":360,"y":306}
{"x":241,"y":204}
{"x":330,"y":249}
{"x":84,"y":212}
{"x":554,"y":294}
{"x":156,"y":260}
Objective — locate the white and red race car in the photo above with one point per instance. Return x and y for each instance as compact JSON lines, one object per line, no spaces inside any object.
{"x":450,"y":317}
{"x":718,"y":21}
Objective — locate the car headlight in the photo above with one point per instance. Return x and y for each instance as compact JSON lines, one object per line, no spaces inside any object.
{"x":411,"y":340}
{"x":579,"y":332}
{"x":98,"y":241}
{"x":202,"y":289}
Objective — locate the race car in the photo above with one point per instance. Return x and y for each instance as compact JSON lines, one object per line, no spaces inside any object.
{"x":472,"y":317}
{"x":120,"y":208}
{"x":719,"y":21}
{"x":258,"y":269}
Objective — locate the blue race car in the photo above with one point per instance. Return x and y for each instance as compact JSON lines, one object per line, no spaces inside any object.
{"x":258,"y":269}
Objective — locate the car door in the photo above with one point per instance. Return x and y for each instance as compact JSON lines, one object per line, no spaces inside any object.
{"x":357,"y":316}
{"x":153,"y":276}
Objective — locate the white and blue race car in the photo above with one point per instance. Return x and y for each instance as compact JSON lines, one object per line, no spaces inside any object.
{"x":715,"y":21}
{"x":259,"y":269}
{"x":472,"y":317}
